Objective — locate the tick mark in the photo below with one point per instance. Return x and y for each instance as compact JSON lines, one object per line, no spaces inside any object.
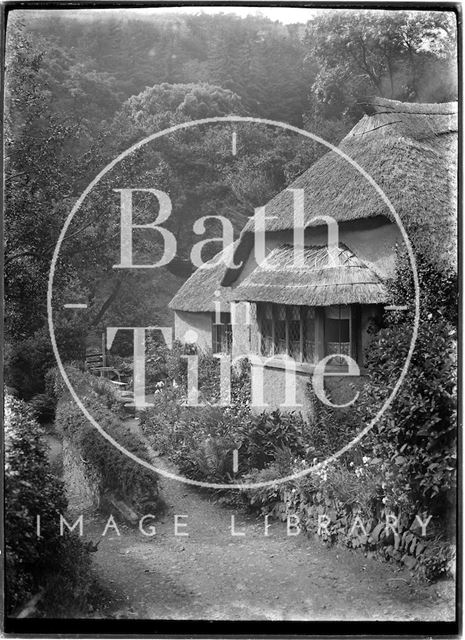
{"x":395,"y":307}
{"x":75,"y":306}
{"x":235,"y":460}
{"x":234,"y":143}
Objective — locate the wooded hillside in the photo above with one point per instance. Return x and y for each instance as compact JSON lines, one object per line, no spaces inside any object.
{"x":83,"y":86}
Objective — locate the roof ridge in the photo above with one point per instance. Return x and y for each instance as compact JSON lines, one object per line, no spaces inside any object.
{"x":377,"y":105}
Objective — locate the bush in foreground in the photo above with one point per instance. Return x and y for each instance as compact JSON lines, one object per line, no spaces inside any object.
{"x":59,"y":565}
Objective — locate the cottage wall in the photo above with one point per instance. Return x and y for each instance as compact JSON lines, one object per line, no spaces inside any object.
{"x":339,"y":390}
{"x":201,"y":323}
{"x":274,"y":394}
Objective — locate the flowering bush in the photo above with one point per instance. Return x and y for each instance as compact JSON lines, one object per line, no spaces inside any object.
{"x":201,"y":439}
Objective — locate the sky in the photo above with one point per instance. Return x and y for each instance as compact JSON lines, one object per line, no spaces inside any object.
{"x":285,"y":15}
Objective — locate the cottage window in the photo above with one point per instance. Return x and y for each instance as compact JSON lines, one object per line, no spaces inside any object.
{"x":265,"y":317}
{"x":337,"y":331}
{"x":280,"y":331}
{"x":308,"y":330}
{"x":222,"y":334}
{"x":306,"y":334}
{"x":294,"y":332}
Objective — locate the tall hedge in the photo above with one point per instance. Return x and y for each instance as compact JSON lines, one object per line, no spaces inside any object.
{"x":416,"y":439}
{"x":59,"y":565}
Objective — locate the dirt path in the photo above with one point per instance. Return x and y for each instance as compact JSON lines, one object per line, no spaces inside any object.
{"x":214,"y":575}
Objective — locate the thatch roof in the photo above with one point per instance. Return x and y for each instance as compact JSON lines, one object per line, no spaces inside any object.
{"x":198,"y":293}
{"x":409,"y":150}
{"x":326,"y":277}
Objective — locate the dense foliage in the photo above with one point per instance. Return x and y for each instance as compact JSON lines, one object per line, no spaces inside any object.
{"x":403,"y":55}
{"x":405,"y":467}
{"x":201,"y":440}
{"x":417,"y":438}
{"x":57,"y":565}
{"x":118,"y":474}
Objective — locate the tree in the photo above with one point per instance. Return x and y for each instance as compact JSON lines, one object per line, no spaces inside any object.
{"x":391,"y":54}
{"x":52,"y":149}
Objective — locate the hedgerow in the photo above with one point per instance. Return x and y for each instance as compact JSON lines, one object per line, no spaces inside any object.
{"x":118,"y":473}
{"x":59,"y":565}
{"x":416,"y":439}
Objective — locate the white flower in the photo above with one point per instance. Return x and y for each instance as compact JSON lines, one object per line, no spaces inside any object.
{"x":365,"y":459}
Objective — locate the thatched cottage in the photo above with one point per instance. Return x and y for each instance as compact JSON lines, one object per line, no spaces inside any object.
{"x":324,"y":305}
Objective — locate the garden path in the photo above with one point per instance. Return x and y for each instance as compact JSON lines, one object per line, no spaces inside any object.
{"x":213,"y":575}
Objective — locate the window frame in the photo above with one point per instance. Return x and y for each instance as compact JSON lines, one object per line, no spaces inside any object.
{"x":222,"y":333}
{"x":268,"y":311}
{"x":327,"y":317}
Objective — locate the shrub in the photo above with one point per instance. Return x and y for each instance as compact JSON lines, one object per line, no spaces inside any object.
{"x":160,"y":424}
{"x":85,"y":383}
{"x":43,"y":405}
{"x":206,"y":438}
{"x":332,"y":428}
{"x":170,"y":366}
{"x":345,"y":496}
{"x":263,"y":435}
{"x":437,"y":561}
{"x":58,"y":564}
{"x":200,"y":440}
{"x":415,"y":441}
{"x":107,"y":394}
{"x":27,"y":361}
